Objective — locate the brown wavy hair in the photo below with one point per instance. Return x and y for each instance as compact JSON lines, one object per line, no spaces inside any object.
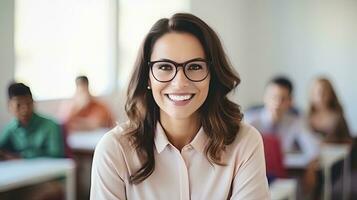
{"x":341,"y":132}
{"x":219,"y":116}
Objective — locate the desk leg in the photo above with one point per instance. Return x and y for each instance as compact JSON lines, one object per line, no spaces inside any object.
{"x":293,"y":193}
{"x":71,"y":184}
{"x":346,"y":181}
{"x":327,"y":183}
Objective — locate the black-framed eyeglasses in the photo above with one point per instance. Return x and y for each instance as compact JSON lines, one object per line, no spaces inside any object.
{"x":165,"y":70}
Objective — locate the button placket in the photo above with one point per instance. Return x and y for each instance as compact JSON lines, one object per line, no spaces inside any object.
{"x":186,"y":152}
{"x":184,"y":179}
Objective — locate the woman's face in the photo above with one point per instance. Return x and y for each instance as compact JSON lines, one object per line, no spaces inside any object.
{"x":179,"y":98}
{"x":320,"y":94}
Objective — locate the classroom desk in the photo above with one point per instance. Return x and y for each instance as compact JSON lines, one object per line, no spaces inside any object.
{"x":85,"y":140}
{"x":295,"y":161}
{"x":329,"y":155}
{"x":82,"y":145}
{"x":25,"y":172}
{"x":283,"y":189}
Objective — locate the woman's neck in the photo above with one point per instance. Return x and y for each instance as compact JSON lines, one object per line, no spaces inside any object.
{"x":180,"y":132}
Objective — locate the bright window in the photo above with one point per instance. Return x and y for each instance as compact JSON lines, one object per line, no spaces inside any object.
{"x":59,"y":39}
{"x":135,"y":20}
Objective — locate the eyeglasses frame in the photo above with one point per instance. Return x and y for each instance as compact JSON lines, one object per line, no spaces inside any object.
{"x":177,"y":65}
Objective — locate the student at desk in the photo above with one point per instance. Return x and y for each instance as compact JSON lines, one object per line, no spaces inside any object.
{"x":300,"y":147}
{"x":84,"y":112}
{"x":30,"y":135}
{"x":326,"y":118}
{"x":326,"y":115}
{"x":276,"y":118}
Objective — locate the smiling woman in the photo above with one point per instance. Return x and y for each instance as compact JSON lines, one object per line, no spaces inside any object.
{"x":184,"y":138}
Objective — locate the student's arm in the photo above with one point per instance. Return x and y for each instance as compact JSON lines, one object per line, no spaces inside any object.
{"x":108,"y":170}
{"x":4,"y":138}
{"x":55,"y":147}
{"x":5,"y":146}
{"x":308,"y":143}
{"x":250,"y":182}
{"x":6,"y":155}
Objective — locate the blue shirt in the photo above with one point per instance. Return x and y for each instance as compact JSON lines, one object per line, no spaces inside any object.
{"x":298,"y":143}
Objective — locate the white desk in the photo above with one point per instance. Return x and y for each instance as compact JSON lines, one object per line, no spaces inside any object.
{"x":331,"y":154}
{"x":82,"y":145}
{"x":283,"y":189}
{"x":85,"y":140}
{"x":25,"y":172}
{"x":295,"y":161}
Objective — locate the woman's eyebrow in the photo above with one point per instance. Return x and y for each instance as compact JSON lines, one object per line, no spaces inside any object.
{"x":166,"y":59}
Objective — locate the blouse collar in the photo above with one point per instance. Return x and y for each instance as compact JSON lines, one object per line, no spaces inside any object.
{"x":199,"y":142}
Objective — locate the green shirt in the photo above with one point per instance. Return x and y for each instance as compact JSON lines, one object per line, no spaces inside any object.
{"x":41,"y":138}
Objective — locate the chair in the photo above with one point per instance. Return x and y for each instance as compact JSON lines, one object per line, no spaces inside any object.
{"x":67,"y":150}
{"x":273,"y":157}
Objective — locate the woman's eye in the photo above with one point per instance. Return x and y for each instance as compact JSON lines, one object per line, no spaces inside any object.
{"x":165,"y":67}
{"x":194,"y":67}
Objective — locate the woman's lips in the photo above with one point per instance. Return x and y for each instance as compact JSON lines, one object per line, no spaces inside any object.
{"x":180,"y":99}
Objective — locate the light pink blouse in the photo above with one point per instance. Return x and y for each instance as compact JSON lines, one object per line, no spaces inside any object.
{"x":180,"y":175}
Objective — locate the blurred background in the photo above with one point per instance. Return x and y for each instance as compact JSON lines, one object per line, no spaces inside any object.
{"x":47,"y":44}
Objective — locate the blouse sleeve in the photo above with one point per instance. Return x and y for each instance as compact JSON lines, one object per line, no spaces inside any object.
{"x":108,"y":169}
{"x":250,"y":181}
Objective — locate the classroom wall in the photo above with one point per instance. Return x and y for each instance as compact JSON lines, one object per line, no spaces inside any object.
{"x":319,"y":37}
{"x":7,"y":57}
{"x":301,"y":39}
{"x":245,"y":30}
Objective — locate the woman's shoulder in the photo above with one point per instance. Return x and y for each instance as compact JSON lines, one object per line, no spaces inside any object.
{"x":114,"y":152}
{"x":117,"y":138}
{"x":247,"y":140}
{"x":247,"y":133}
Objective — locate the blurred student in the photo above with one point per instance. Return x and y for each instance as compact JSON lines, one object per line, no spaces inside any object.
{"x":326,"y":119}
{"x":276,"y":118}
{"x":326,"y":115}
{"x":85,"y":113}
{"x":30,"y":135}
{"x":298,"y":144}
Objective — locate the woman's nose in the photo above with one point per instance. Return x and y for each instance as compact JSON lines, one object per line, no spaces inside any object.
{"x":180,"y":78}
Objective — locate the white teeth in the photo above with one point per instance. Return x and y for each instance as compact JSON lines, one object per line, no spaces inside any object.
{"x":179,"y":97}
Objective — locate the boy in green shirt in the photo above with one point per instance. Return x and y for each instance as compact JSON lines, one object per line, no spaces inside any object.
{"x":29,"y":135}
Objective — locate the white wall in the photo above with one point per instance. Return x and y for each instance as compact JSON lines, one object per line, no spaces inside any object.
{"x":320,"y":38}
{"x":6,"y":55}
{"x":246,"y":29}
{"x":299,"y":38}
